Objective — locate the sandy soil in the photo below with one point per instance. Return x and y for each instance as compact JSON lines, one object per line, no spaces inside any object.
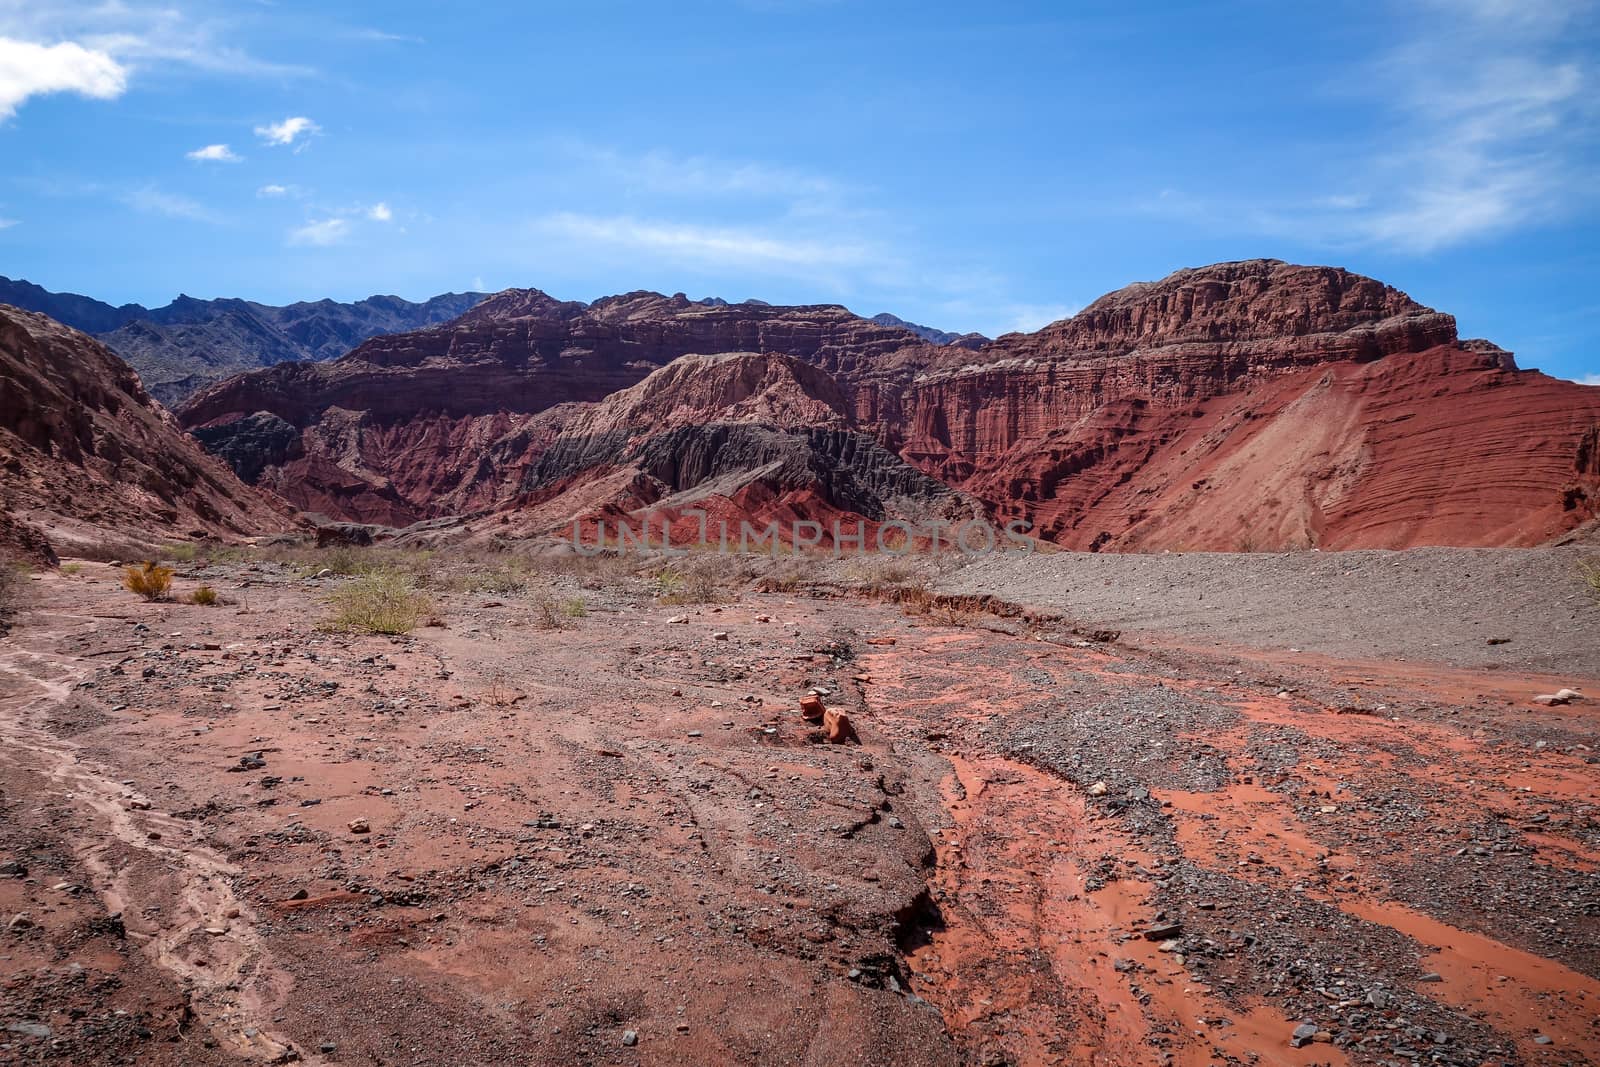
{"x":620,"y":843}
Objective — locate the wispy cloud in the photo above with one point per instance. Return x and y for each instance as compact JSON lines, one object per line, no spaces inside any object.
{"x":142,"y":38}
{"x":320,"y":233}
{"x":380,"y":212}
{"x":288,"y":132}
{"x":153,"y":201}
{"x":1484,"y":120}
{"x":704,"y":245}
{"x":370,"y":34}
{"x":1589,"y":379}
{"x":662,"y":172}
{"x":214,"y":153}
{"x":273,"y":191}
{"x":6,"y":224}
{"x":28,"y":69}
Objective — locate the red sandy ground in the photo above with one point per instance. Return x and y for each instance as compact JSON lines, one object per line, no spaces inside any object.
{"x":625,"y":826}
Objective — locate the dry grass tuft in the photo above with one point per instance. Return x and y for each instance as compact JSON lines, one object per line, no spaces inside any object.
{"x":1589,"y":571}
{"x":150,"y":581}
{"x":383,"y":602}
{"x":205,"y":596}
{"x":556,"y":613}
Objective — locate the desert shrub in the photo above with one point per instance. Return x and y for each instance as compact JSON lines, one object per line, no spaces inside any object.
{"x":11,"y":577}
{"x":383,"y":602}
{"x":691,"y":582}
{"x":205,"y":596}
{"x":150,"y":581}
{"x":574,"y":608}
{"x":547,"y":611}
{"x":1589,"y":571}
{"x":71,"y":568}
{"x":180,"y":552}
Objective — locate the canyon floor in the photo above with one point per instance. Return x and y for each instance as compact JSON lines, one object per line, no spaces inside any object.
{"x":1224,"y":834}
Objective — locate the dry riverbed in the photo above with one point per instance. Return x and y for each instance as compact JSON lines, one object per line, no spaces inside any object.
{"x":229,"y":836}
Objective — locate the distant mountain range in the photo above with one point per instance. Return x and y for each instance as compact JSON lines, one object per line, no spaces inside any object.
{"x":184,"y":346}
{"x":189,"y":344}
{"x":1253,"y":405}
{"x":931,"y":335}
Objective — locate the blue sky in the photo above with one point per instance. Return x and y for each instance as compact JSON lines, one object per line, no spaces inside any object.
{"x":974,"y":167}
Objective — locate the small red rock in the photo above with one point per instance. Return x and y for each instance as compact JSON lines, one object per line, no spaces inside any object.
{"x":811,"y":708}
{"x":837,"y":729}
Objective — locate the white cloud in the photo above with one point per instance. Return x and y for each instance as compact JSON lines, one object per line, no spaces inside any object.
{"x":320,"y":233}
{"x":1588,"y":379}
{"x":6,"y":224}
{"x":141,"y":37}
{"x":288,"y":131}
{"x":214,"y":153}
{"x":715,"y":246}
{"x":273,"y":191}
{"x":1482,"y":122}
{"x":153,"y":201}
{"x":28,"y":69}
{"x":380,"y":212}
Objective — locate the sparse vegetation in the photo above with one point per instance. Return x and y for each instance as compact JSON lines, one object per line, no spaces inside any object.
{"x":10,"y":588}
{"x":180,"y":552}
{"x":204,"y":596}
{"x":71,"y":568}
{"x":383,"y":602}
{"x":690,"y":582}
{"x":1589,"y":571}
{"x":150,"y":580}
{"x":108,"y":551}
{"x":878,"y":574}
{"x":554,"y":612}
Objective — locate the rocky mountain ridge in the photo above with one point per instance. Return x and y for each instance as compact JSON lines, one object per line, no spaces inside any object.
{"x":1255,"y":404}
{"x":189,"y":343}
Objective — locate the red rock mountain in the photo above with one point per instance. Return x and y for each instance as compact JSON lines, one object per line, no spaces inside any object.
{"x":1243,"y":405}
{"x":84,"y":450}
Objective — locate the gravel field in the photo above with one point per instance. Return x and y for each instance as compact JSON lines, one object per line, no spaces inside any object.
{"x":1439,"y":605}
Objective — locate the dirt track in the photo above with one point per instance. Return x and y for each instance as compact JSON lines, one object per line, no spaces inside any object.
{"x":1045,"y":850}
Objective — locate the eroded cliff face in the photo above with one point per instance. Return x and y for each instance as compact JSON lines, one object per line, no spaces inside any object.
{"x":1243,"y":405}
{"x":443,"y":420}
{"x":84,"y":448}
{"x":1259,"y":405}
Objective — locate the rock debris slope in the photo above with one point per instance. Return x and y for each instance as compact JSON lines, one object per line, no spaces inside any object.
{"x":83,"y":448}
